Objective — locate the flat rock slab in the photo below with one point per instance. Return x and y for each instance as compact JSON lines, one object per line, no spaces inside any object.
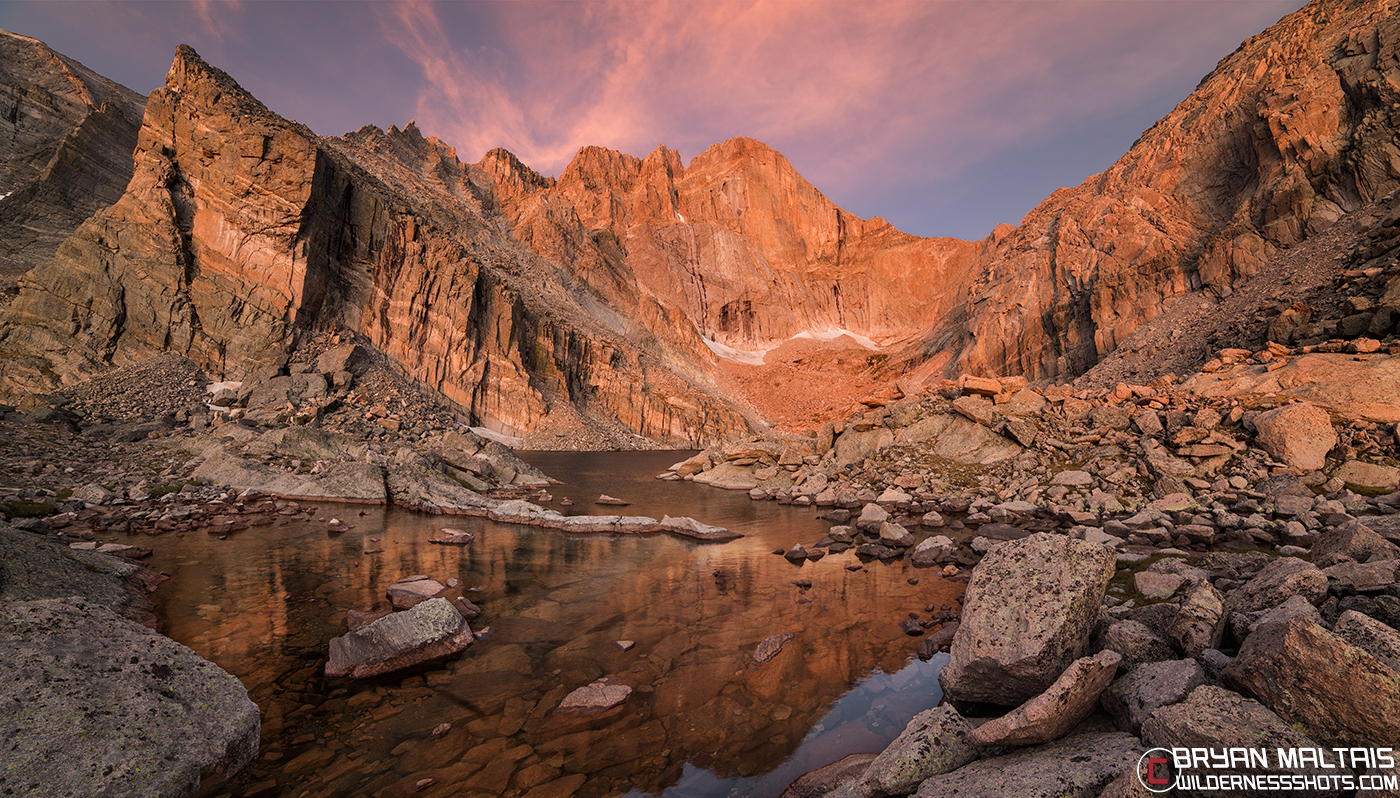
{"x":361,"y":483}
{"x":598,"y":696}
{"x":1028,"y":613}
{"x":1075,"y":766}
{"x":690,"y":528}
{"x":409,"y":593}
{"x":430,"y":631}
{"x":93,"y":704}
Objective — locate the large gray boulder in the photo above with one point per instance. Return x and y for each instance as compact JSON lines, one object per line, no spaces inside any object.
{"x":1027,"y":615}
{"x":92,"y":704}
{"x":430,"y":631}
{"x":1076,"y":766}
{"x":1308,"y":675}
{"x":935,"y":741}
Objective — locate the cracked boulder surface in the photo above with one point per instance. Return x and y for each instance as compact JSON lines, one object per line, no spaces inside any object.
{"x":95,"y":705}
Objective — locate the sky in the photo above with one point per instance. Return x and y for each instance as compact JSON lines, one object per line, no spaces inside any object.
{"x":946,"y":118}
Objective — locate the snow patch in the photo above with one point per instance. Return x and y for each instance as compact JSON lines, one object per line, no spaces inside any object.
{"x":678,"y":214}
{"x":498,"y":437}
{"x":737,"y":355}
{"x":834,"y":333}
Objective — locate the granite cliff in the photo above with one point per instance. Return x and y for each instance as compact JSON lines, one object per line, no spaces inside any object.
{"x":66,"y":148}
{"x":677,"y":302}
{"x":241,"y":233}
{"x":1290,"y":132}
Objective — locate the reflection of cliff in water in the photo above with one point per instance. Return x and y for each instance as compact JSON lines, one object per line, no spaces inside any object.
{"x":701,"y":720}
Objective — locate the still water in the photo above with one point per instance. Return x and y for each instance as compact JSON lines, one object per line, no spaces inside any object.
{"x":701,"y":721}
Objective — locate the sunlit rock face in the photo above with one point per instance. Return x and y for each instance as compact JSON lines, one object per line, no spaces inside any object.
{"x":737,"y":242}
{"x":66,"y":136}
{"x":1288,"y":133}
{"x":241,"y":232}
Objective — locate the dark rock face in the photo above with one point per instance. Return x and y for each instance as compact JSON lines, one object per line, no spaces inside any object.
{"x":93,"y":704}
{"x":66,"y":149}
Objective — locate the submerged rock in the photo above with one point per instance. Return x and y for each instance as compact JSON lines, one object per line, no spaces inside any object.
{"x":432,"y":630}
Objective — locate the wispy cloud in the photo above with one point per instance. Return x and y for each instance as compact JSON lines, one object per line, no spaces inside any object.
{"x":859,"y":82}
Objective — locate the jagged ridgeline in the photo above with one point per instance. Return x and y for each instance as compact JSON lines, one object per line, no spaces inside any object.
{"x":622,"y":292}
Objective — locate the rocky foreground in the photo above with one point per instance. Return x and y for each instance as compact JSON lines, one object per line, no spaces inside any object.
{"x":1201,"y":562}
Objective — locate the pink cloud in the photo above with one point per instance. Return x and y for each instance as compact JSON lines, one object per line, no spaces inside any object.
{"x":968,"y":77}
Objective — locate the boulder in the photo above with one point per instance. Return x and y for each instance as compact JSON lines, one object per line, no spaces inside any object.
{"x":598,"y":696}
{"x":1136,"y":642}
{"x":1308,"y":675}
{"x":690,"y":528}
{"x":432,"y":630}
{"x":1072,"y":766}
{"x":1242,"y":624}
{"x":1213,"y":717}
{"x":895,"y":535}
{"x":1027,"y":614}
{"x":1147,"y":687}
{"x":351,"y":482}
{"x":824,"y":781}
{"x":1352,"y":541}
{"x":1053,"y":713}
{"x":1299,"y":435}
{"x":936,"y":741}
{"x":414,"y":590}
{"x":349,"y":357}
{"x":728,"y":476}
{"x":1277,"y":582}
{"x":1364,"y":632}
{"x":871,"y":517}
{"x":932,"y":550}
{"x":1368,"y":477}
{"x":93,"y":704}
{"x":1355,"y":577}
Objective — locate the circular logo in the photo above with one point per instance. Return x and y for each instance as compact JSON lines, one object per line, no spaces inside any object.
{"x":1154,"y":770}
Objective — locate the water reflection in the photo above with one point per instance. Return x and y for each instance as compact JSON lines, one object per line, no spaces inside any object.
{"x":702,"y":720}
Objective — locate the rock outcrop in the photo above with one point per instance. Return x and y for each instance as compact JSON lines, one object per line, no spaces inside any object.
{"x":340,"y":235}
{"x":66,"y":149}
{"x":1287,"y":134}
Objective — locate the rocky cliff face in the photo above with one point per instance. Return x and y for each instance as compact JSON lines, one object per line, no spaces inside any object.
{"x":1294,"y":129}
{"x":739,"y":243}
{"x":66,"y":137}
{"x":242,"y":232}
